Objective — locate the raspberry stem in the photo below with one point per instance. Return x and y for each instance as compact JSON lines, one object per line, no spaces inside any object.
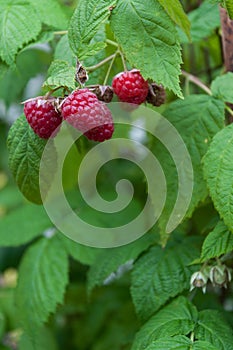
{"x":100,"y":64}
{"x":109,"y":68}
{"x":111,"y":42}
{"x":196,"y":81}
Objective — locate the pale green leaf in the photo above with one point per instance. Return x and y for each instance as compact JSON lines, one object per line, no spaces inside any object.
{"x":204,"y":20}
{"x":16,"y":228}
{"x":197,"y":118}
{"x":43,"y":276}
{"x":161,"y":274}
{"x":110,"y":262}
{"x":63,"y":51}
{"x":218,"y":242}
{"x":149,"y":40}
{"x":177,"y":14}
{"x":19,"y":24}
{"x":222,"y":87}
{"x":212,"y":327}
{"x":177,"y":318}
{"x":60,"y":73}
{"x":218,"y":171}
{"x":85,"y":23}
{"x":50,"y":13}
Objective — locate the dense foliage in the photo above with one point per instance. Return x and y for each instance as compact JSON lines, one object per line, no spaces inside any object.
{"x":165,"y":290}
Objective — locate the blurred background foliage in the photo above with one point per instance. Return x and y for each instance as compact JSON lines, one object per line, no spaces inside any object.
{"x":105,"y":320}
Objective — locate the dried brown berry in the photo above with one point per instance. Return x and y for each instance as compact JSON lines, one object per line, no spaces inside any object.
{"x":156,"y":94}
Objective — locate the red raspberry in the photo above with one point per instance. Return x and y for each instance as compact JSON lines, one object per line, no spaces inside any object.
{"x":130,"y":87}
{"x":42,"y":117}
{"x":86,"y":113}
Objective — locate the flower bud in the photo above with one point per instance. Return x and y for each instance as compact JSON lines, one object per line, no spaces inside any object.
{"x":199,"y":280}
{"x":220,"y":275}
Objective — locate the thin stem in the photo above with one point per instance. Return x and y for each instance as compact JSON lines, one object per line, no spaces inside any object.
{"x":109,"y":68}
{"x":229,"y":110}
{"x":123,"y":61}
{"x":197,"y":82}
{"x":61,"y":32}
{"x":111,"y":42}
{"x":100,"y":64}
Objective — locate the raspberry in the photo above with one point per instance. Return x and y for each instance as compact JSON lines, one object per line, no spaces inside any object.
{"x":130,"y":87}
{"x":42,"y":117}
{"x":156,"y":95}
{"x":86,"y":113}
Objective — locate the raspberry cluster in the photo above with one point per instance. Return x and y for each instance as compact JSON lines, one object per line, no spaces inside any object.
{"x":86,"y":110}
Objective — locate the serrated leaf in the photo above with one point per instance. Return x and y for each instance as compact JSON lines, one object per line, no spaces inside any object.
{"x":60,"y":73}
{"x":19,"y":24}
{"x":178,"y":342}
{"x":109,"y":261}
{"x":204,"y":20}
{"x":229,"y":7}
{"x":43,"y":276}
{"x":212,"y":327}
{"x":218,"y":242}
{"x":177,"y":318}
{"x":177,"y":14}
{"x":25,"y":152}
{"x":50,"y":13}
{"x":197,"y":118}
{"x":222,"y":87}
{"x":17,"y":229}
{"x":161,"y":274}
{"x":149,"y":41}
{"x":91,"y":49}
{"x":218,"y":171}
{"x":85,"y":23}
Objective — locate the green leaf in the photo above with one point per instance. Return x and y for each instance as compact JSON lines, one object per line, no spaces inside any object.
{"x":111,"y":263}
{"x":218,"y":171}
{"x":177,"y":14}
{"x":212,"y":327}
{"x":40,"y":339}
{"x":84,"y":254}
{"x":204,"y":20}
{"x":229,"y":7}
{"x":63,"y":51}
{"x":203,"y":345}
{"x":50,"y":13}
{"x":197,"y":118}
{"x":218,"y":242}
{"x":25,"y":152}
{"x":161,"y":274}
{"x":149,"y":41}
{"x":19,"y":24}
{"x":85,"y":23}
{"x":178,"y":342}
{"x":60,"y":73}
{"x":222,"y":87}
{"x":43,"y":276}
{"x":16,"y":228}
{"x":177,"y":318}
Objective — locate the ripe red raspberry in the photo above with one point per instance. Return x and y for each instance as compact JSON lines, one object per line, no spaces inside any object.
{"x":86,"y":113}
{"x":130,"y":87}
{"x":42,"y":117}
